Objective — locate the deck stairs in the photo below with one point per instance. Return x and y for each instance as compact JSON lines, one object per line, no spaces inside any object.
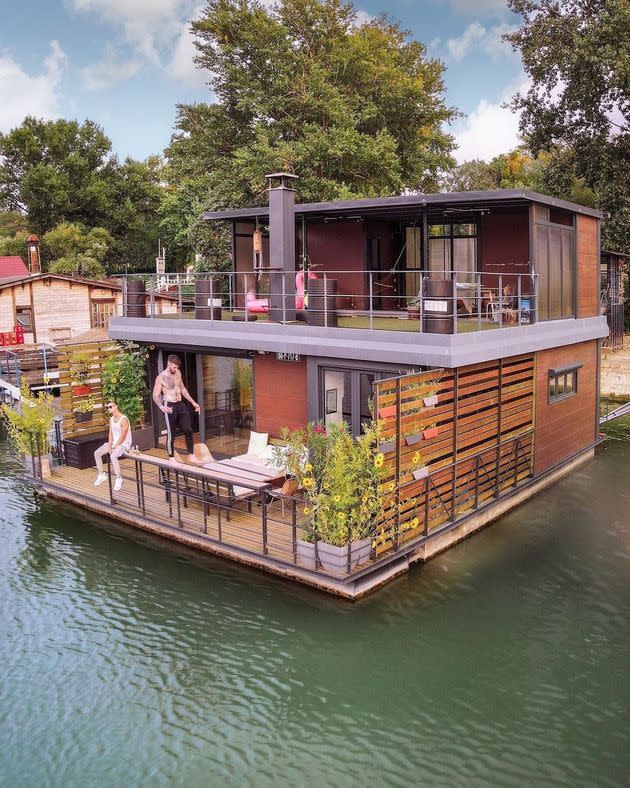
{"x":622,"y":410}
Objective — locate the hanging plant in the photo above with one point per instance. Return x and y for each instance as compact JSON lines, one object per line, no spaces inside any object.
{"x":124,"y":381}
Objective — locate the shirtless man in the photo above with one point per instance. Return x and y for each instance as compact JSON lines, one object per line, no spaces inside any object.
{"x":168,"y":392}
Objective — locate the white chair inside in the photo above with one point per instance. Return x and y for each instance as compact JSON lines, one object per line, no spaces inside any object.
{"x":258,"y":443}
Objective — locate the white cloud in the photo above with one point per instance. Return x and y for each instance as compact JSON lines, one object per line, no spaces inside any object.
{"x":477,"y":38}
{"x":100,"y":76}
{"x":478,"y":6}
{"x":22,"y":94}
{"x":490,"y":129}
{"x":147,"y":24}
{"x":181,"y":65}
{"x":363,"y":18}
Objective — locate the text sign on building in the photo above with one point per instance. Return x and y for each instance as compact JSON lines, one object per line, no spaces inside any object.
{"x":435,"y":306}
{"x":288,"y":356}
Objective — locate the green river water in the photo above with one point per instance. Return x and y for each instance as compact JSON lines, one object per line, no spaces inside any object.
{"x":125,"y":661}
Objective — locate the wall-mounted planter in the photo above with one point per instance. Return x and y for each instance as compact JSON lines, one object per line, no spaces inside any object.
{"x":432,"y":432}
{"x":420,"y":473}
{"x":387,"y":413}
{"x":79,"y":417}
{"x":430,"y":402}
{"x":387,"y":446}
{"x":415,"y":438}
{"x":81,"y":391}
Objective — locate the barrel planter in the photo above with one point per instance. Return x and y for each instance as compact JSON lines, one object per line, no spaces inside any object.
{"x":207,"y":300}
{"x":322,"y":310}
{"x":437,"y":306}
{"x":136,"y":298}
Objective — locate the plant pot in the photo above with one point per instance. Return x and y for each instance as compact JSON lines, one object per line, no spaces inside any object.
{"x":80,"y":417}
{"x":420,"y":473}
{"x":386,"y":447}
{"x":415,"y":438}
{"x":335,"y":559}
{"x":387,"y":412}
{"x":430,"y":402}
{"x":82,"y":391}
{"x":32,"y":465}
{"x":305,"y":553}
{"x":432,"y":432}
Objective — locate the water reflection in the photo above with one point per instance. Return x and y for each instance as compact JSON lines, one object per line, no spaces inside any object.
{"x":124,"y":660}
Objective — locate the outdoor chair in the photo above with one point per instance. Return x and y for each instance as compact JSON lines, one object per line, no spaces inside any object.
{"x":288,"y":492}
{"x":202,"y":453}
{"x":258,"y":443}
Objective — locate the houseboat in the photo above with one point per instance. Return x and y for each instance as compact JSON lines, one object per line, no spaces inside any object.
{"x":468,"y":325}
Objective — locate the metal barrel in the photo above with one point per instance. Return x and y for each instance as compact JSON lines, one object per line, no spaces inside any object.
{"x":322,"y":310}
{"x":207,"y":299}
{"x":136,"y":298}
{"x":437,"y":306}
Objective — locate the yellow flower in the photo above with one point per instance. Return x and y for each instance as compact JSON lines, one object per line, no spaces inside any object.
{"x":416,"y":457}
{"x":378,"y":460}
{"x":308,"y":467}
{"x":307,"y":510}
{"x":325,"y":486}
{"x":415,"y":522}
{"x":391,"y":486}
{"x":341,"y":516}
{"x":336,"y":498}
{"x":308,"y":482}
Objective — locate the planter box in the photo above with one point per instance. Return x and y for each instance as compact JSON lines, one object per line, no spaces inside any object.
{"x":82,"y":391}
{"x":415,"y":438}
{"x":387,"y":447}
{"x":79,"y":451}
{"x":432,"y":432}
{"x":420,"y":473}
{"x":305,"y":553}
{"x":430,"y":402}
{"x":32,"y":465}
{"x":143,"y":438}
{"x":81,"y":417}
{"x":335,"y":559}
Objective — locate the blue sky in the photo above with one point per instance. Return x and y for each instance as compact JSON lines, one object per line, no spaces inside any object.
{"x":127,"y":63}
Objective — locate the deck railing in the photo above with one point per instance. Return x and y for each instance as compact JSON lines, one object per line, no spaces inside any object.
{"x":162,"y":495}
{"x":345,"y":298}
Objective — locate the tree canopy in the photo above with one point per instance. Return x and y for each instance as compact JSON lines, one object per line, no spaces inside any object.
{"x":577,"y":54}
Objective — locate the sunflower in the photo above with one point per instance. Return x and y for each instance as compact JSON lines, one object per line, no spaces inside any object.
{"x":307,"y":510}
{"x":308,"y":467}
{"x":416,"y":458}
{"x":336,"y":498}
{"x":378,"y":460}
{"x":341,"y":516}
{"x":391,"y":486}
{"x":308,"y":482}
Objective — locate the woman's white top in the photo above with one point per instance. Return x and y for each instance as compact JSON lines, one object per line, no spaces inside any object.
{"x":116,"y":427}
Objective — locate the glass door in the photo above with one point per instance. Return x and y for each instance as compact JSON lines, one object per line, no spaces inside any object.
{"x":346,"y":395}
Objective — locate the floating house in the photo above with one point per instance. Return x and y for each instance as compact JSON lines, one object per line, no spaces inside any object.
{"x":468,"y":324}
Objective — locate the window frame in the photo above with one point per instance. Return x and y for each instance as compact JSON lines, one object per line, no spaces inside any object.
{"x":25,"y":308}
{"x":562,"y":383}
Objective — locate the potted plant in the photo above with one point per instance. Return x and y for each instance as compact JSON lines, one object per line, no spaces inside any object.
{"x":124,"y":382}
{"x":29,"y":424}
{"x":413,"y":308}
{"x":83,"y":409}
{"x":80,"y":368}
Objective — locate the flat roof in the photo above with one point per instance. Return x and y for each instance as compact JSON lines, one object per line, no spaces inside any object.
{"x":411,"y":204}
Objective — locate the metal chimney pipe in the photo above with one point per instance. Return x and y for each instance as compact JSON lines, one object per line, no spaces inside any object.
{"x":281,"y":246}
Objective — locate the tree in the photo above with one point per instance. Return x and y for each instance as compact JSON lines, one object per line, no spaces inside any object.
{"x":72,"y":249}
{"x":356,"y":110}
{"x":55,"y":171}
{"x":577,"y":54}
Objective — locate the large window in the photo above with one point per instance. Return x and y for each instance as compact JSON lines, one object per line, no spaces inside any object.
{"x":555,"y":264}
{"x":346,"y":395}
{"x":453,"y":249}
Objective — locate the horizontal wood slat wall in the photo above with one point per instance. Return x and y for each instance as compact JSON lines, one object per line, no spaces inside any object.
{"x":100,"y":352}
{"x":474,"y":442}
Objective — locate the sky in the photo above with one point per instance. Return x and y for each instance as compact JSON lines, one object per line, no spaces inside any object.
{"x":126,"y":64}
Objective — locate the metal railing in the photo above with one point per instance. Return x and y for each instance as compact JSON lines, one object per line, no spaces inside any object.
{"x":345,"y":298}
{"x":447,"y":495}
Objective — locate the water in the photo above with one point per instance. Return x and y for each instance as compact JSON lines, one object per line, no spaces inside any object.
{"x":125,"y":661}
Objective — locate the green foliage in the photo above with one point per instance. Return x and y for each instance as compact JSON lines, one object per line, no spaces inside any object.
{"x":356,"y":110}
{"x":79,"y":265}
{"x":11,"y":223}
{"x":14,"y":246}
{"x":242,"y":382}
{"x":124,"y":381}
{"x":80,"y":365}
{"x":84,"y":405}
{"x":577,"y":55}
{"x":341,"y":477}
{"x":76,"y":250}
{"x":29,"y":424}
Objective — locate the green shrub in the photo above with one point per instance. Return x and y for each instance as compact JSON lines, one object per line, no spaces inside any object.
{"x":124,"y":381}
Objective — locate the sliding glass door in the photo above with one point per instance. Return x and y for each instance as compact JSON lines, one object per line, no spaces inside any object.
{"x":346,"y":395}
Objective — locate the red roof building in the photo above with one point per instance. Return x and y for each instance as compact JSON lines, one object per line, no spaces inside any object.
{"x":12,"y":266}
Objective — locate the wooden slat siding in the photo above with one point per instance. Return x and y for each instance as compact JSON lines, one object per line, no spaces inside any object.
{"x":494,"y":402}
{"x":101,"y":351}
{"x":587,"y":265}
{"x":566,"y":426}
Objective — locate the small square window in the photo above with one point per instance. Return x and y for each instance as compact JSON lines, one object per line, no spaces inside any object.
{"x":24,"y":317}
{"x":562,"y":384}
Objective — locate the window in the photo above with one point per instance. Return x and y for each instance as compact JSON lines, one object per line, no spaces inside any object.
{"x":102,"y":311}
{"x":563,"y":382}
{"x":453,"y":248}
{"x":24,"y":317}
{"x":346,"y":395}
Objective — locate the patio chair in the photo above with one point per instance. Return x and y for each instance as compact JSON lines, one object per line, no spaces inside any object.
{"x":288,"y":492}
{"x":258,"y":443}
{"x":202,"y":453}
